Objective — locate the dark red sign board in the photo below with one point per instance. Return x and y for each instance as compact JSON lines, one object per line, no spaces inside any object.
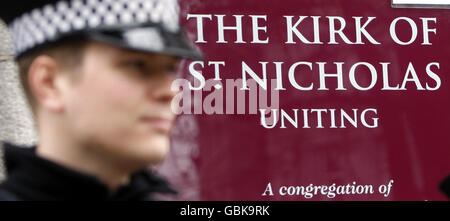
{"x":233,"y":157}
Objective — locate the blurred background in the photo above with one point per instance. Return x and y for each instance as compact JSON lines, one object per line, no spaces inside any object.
{"x":16,"y":124}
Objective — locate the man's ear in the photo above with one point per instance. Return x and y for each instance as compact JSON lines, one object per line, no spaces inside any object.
{"x":43,"y":80}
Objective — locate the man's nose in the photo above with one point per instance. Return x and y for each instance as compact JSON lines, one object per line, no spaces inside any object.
{"x":160,"y":89}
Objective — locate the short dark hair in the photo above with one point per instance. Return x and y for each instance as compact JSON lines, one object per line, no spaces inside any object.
{"x":68,"y":52}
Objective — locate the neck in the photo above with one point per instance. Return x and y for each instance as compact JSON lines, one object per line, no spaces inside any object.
{"x":58,"y":146}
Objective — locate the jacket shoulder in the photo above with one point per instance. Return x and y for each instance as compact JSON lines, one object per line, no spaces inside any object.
{"x":7,"y":196}
{"x":4,"y":194}
{"x":2,"y":161}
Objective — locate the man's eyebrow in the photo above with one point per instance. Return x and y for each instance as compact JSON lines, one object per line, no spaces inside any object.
{"x":130,"y":52}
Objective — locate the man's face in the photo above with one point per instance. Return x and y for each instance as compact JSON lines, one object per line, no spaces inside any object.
{"x":118,"y":107}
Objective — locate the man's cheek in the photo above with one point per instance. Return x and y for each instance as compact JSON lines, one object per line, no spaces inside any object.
{"x":120,"y":94}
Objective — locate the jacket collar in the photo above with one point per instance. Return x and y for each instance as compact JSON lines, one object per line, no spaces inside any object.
{"x":31,"y":177}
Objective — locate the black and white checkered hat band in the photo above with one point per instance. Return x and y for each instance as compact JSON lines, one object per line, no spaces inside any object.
{"x":66,"y":16}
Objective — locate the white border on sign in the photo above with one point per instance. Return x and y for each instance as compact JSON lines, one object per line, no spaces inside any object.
{"x":421,"y":3}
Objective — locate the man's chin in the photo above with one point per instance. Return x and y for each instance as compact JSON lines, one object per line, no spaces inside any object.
{"x":155,"y":153}
{"x":141,"y":153}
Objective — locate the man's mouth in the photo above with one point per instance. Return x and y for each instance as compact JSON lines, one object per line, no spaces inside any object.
{"x":161,"y":124}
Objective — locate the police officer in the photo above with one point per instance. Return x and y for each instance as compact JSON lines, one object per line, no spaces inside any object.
{"x":97,"y":75}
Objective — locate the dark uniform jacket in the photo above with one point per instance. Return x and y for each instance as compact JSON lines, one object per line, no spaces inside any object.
{"x":445,"y":186}
{"x":30,"y":177}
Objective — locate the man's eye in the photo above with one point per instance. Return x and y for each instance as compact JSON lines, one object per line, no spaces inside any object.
{"x":144,"y":68}
{"x":172,"y":69}
{"x":140,"y":65}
